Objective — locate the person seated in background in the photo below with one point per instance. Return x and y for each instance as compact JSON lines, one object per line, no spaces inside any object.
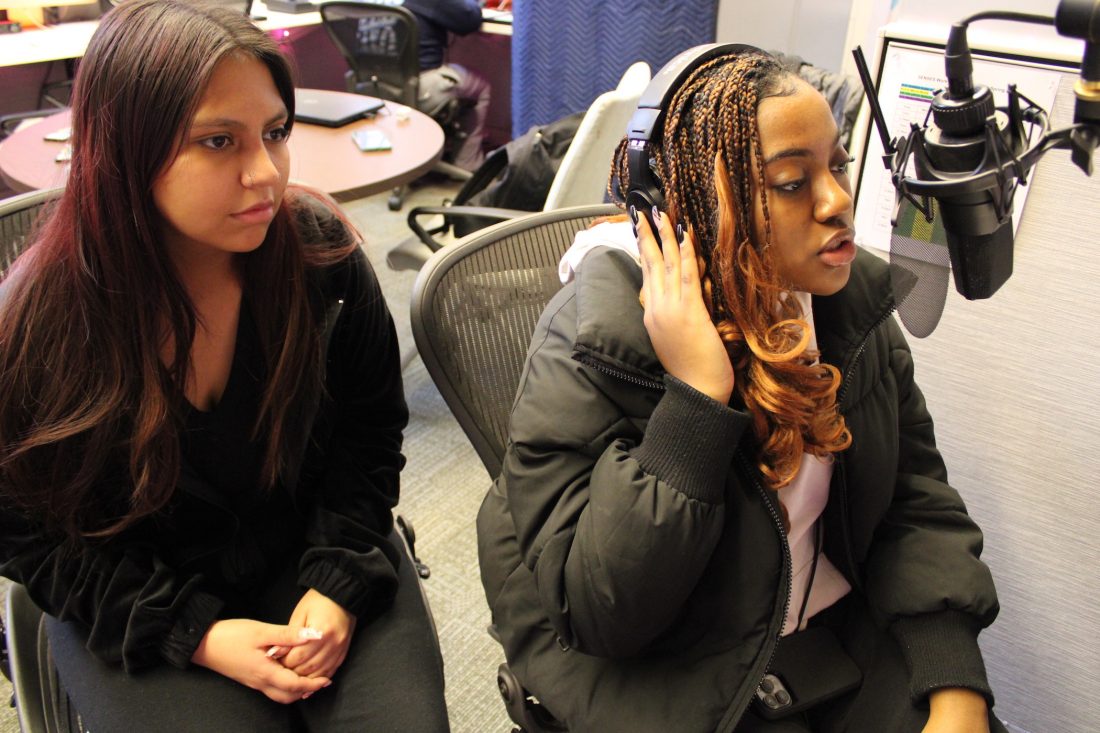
{"x":442,"y":83}
{"x":719,"y":464}
{"x":202,"y":413}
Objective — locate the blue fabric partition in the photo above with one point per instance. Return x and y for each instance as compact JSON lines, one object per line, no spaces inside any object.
{"x":565,"y":53}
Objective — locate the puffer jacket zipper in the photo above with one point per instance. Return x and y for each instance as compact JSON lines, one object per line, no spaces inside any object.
{"x":841,"y":478}
{"x":846,"y":377}
{"x":842,"y":484}
{"x":591,"y":361}
{"x":770,"y":502}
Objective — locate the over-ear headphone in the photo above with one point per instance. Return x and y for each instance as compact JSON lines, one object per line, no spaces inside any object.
{"x":648,"y":121}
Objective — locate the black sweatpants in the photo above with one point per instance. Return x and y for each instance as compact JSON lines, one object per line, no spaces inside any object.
{"x":391,"y":681}
{"x":880,"y":703}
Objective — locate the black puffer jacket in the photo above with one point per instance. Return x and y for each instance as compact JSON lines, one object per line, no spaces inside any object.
{"x":634,"y":563}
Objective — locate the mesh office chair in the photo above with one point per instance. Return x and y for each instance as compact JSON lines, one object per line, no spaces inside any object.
{"x":41,"y":704}
{"x":18,"y":216}
{"x":474,"y":308}
{"x":381,"y":45}
{"x":580,"y":179}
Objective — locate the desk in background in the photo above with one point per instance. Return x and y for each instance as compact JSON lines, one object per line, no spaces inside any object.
{"x":25,"y":58}
{"x":70,"y":40}
{"x":321,"y":157}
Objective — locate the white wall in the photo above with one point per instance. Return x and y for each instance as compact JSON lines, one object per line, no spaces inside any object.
{"x":812,"y":29}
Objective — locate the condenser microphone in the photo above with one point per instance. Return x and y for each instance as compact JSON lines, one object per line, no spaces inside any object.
{"x":965,"y":139}
{"x":967,"y":161}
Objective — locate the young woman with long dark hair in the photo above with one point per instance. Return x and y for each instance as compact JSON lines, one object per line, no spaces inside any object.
{"x":721,"y":479}
{"x":202,"y":412}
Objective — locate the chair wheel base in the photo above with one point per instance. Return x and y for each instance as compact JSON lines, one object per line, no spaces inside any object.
{"x":526,"y":712}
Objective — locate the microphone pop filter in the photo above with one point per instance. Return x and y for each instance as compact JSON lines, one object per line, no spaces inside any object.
{"x":920,"y":268}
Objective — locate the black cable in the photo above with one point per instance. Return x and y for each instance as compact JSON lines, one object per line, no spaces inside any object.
{"x":1009,"y":15}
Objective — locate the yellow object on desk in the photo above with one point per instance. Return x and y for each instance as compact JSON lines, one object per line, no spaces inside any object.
{"x":30,"y":12}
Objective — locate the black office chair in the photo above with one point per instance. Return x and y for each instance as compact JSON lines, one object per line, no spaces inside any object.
{"x":474,"y":308}
{"x":381,"y":44}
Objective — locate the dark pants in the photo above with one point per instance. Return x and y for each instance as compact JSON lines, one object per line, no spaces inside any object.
{"x":392,"y":680}
{"x":880,"y":703}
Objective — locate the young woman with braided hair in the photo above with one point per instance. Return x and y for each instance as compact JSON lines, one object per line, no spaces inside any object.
{"x":718,"y":453}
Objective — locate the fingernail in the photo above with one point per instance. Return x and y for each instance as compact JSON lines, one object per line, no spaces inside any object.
{"x":656,"y":215}
{"x":680,"y":233}
{"x":634,"y":219}
{"x":327,"y":684}
{"x":272,"y":651}
{"x":308,"y":632}
{"x":306,"y":696}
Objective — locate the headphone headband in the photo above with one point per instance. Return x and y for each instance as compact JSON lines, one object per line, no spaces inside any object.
{"x":644,"y":123}
{"x":647,"y":121}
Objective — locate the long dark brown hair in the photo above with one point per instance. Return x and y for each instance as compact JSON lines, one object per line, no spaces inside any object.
{"x":89,"y":414}
{"x":710,"y":164}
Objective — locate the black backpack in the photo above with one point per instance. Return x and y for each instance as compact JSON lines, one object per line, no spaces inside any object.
{"x":519,"y":174}
{"x":516,"y":176}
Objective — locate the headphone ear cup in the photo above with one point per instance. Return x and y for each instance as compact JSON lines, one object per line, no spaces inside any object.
{"x":642,"y":201}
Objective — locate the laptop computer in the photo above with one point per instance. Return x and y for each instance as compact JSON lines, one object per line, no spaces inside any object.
{"x":318,"y":107}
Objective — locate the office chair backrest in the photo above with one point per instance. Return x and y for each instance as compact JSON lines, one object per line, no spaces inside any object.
{"x":18,"y":216}
{"x":41,"y":705}
{"x":381,"y":45}
{"x":474,"y":307}
{"x":513,"y":178}
{"x":582,"y":176}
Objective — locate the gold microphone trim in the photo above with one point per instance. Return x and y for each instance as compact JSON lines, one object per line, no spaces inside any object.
{"x":1087,"y":90}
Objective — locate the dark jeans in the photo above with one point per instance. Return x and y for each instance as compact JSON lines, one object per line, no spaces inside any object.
{"x":392,"y":680}
{"x":880,"y":703}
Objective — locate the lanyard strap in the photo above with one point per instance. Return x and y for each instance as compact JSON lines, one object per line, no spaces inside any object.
{"x":813,"y":571}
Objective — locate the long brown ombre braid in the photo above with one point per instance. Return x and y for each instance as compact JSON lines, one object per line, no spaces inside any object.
{"x":711,"y":164}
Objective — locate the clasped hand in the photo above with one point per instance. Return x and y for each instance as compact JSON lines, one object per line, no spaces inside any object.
{"x":286,"y":663}
{"x":678,"y":322}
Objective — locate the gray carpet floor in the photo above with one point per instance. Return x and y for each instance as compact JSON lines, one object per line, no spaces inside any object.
{"x":442,"y":486}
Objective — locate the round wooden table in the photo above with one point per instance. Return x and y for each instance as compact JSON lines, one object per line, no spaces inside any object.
{"x":322,"y":157}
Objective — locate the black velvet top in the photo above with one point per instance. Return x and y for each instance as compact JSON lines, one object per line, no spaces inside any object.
{"x":148,"y":594}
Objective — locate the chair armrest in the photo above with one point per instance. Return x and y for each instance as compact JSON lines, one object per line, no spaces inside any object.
{"x":9,"y":122}
{"x":487,"y":212}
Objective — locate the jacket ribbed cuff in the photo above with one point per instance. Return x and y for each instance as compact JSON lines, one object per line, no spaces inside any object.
{"x":941,"y":650}
{"x":364,"y":592}
{"x":192,"y":622}
{"x":690,"y":440}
